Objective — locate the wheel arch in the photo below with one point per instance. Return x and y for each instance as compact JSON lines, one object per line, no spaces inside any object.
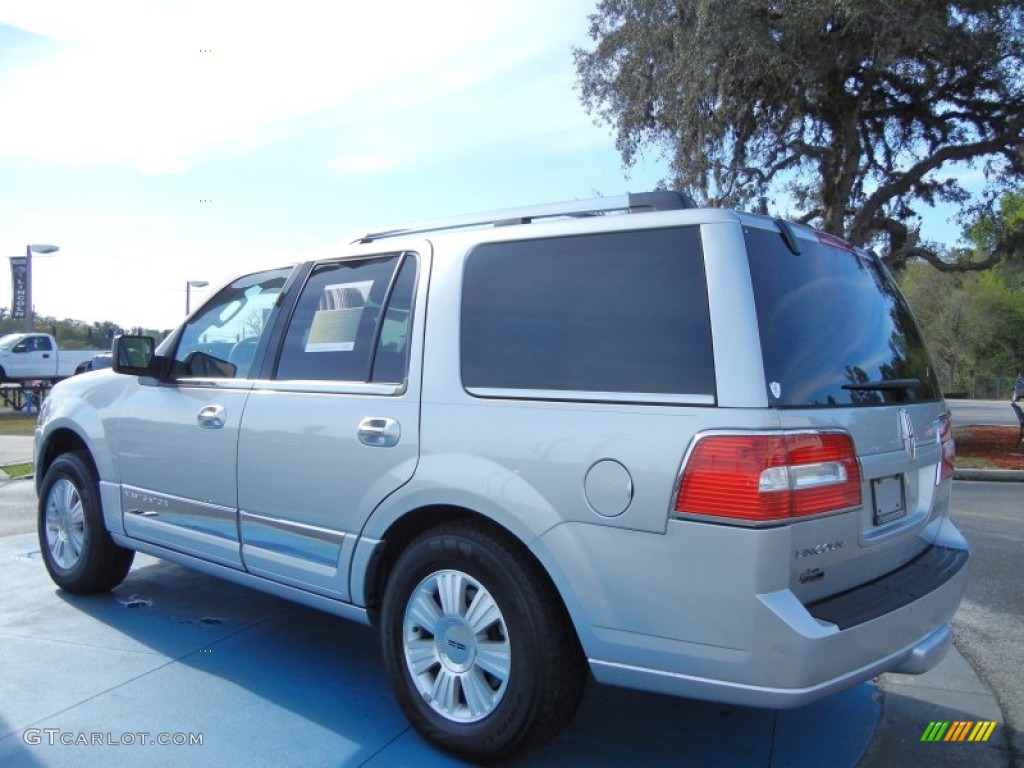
{"x":369,"y":590}
{"x":58,"y":442}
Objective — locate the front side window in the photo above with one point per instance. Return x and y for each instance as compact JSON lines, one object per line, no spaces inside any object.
{"x":340,"y":330}
{"x":623,"y":312}
{"x":220,"y":341}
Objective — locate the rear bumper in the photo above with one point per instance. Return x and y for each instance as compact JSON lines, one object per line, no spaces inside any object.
{"x":914,"y":660}
{"x":768,"y":649}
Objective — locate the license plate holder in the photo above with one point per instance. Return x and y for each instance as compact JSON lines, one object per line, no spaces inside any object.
{"x":889,"y":498}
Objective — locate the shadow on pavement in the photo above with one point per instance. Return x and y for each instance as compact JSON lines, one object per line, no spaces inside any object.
{"x":270,"y":683}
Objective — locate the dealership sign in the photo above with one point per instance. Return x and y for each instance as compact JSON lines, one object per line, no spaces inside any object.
{"x":19,"y":286}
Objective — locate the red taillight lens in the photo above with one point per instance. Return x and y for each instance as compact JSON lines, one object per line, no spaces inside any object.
{"x":948,"y":448}
{"x":770,"y":477}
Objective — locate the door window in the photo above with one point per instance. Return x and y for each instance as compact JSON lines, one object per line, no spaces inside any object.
{"x":340,"y":330}
{"x":220,"y":341}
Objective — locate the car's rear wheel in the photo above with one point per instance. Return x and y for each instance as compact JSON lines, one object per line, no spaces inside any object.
{"x":77,"y":549}
{"x":480,"y":651}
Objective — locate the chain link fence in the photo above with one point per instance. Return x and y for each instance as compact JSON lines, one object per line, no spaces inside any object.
{"x":990,"y":388}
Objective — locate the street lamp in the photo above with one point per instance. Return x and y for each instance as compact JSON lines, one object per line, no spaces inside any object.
{"x":188,"y":292}
{"x":29,"y":250}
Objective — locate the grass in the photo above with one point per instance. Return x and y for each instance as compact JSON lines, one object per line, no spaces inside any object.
{"x":17,"y":423}
{"x":18,"y":470}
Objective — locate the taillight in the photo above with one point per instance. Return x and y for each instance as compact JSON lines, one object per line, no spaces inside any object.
{"x":770,"y":477}
{"x":948,"y":449}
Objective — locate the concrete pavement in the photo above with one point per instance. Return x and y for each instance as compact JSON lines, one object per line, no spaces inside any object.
{"x":265,"y":682}
{"x":982,"y":412}
{"x":14,"y":449}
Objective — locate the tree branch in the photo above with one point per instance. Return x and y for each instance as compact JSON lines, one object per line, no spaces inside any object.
{"x":904,"y":182}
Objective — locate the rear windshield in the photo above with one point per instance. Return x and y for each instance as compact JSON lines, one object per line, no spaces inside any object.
{"x":623,"y":312}
{"x":834,"y":329}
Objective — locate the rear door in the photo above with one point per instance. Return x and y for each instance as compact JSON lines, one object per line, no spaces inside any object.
{"x":335,"y":427}
{"x":841,"y":351}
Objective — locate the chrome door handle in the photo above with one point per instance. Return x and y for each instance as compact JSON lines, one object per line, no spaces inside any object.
{"x":379,"y":433}
{"x":211,"y":416}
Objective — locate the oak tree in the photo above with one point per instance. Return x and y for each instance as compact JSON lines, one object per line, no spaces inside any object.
{"x":858,"y":113}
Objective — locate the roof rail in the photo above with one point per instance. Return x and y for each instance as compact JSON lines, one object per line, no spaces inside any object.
{"x":630,"y":203}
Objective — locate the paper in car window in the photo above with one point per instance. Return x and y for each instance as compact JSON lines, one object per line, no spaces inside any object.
{"x":336,"y":320}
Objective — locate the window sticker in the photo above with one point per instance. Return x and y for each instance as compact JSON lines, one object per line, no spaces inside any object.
{"x":336,"y":320}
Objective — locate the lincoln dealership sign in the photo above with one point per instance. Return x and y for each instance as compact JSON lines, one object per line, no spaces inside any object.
{"x":19,"y":288}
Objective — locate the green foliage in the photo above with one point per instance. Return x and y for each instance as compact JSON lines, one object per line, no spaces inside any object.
{"x":973,"y":323}
{"x":70,"y":334}
{"x":859,"y":112}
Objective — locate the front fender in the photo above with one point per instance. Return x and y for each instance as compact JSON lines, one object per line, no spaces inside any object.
{"x":84,"y":413}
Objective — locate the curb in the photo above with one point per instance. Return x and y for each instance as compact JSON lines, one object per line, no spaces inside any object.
{"x":953,"y":690}
{"x":4,"y":477}
{"x":991,"y":475}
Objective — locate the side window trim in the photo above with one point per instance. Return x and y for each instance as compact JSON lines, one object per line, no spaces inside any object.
{"x":280,"y":319}
{"x":586,"y":396}
{"x":384,"y":305}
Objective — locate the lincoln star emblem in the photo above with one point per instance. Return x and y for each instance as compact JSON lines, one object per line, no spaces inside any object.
{"x":907,"y":434}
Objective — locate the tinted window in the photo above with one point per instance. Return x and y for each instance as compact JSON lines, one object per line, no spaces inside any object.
{"x":391,"y":360}
{"x":617,"y":312}
{"x":333,"y":330}
{"x":828,"y":319}
{"x":220,"y":341}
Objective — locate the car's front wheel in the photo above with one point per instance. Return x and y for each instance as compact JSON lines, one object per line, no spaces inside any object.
{"x":77,"y":549}
{"x":480,"y":651}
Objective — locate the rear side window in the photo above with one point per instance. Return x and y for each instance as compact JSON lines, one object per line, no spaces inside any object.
{"x":833,"y":326}
{"x":618,"y":313}
{"x":341,"y":331}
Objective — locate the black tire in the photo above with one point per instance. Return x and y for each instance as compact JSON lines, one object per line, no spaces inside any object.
{"x":546,"y":670}
{"x":77,"y":549}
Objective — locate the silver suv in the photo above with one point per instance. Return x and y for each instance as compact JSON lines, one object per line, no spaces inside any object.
{"x":690,"y":451}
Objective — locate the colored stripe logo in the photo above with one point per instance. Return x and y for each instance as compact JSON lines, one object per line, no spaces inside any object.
{"x":958,"y":730}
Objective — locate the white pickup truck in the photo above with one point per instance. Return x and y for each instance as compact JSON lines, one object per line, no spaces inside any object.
{"x":32,"y":356}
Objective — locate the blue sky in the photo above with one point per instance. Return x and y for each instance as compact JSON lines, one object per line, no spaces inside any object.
{"x":301,"y":122}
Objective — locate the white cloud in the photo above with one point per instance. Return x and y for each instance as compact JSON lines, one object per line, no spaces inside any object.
{"x":362,"y":89}
{"x":134,"y":85}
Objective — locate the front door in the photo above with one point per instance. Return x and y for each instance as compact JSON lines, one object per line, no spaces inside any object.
{"x":177,"y":439}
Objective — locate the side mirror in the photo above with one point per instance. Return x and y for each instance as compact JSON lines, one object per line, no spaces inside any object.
{"x":23,"y":347}
{"x":134,"y":355}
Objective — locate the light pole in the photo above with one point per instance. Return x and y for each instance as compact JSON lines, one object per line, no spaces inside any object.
{"x":29,"y":250}
{"x":188,"y":292}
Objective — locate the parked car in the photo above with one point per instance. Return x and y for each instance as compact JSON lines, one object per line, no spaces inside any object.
{"x":95,"y":363}
{"x":35,"y":356}
{"x":684,"y":450}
